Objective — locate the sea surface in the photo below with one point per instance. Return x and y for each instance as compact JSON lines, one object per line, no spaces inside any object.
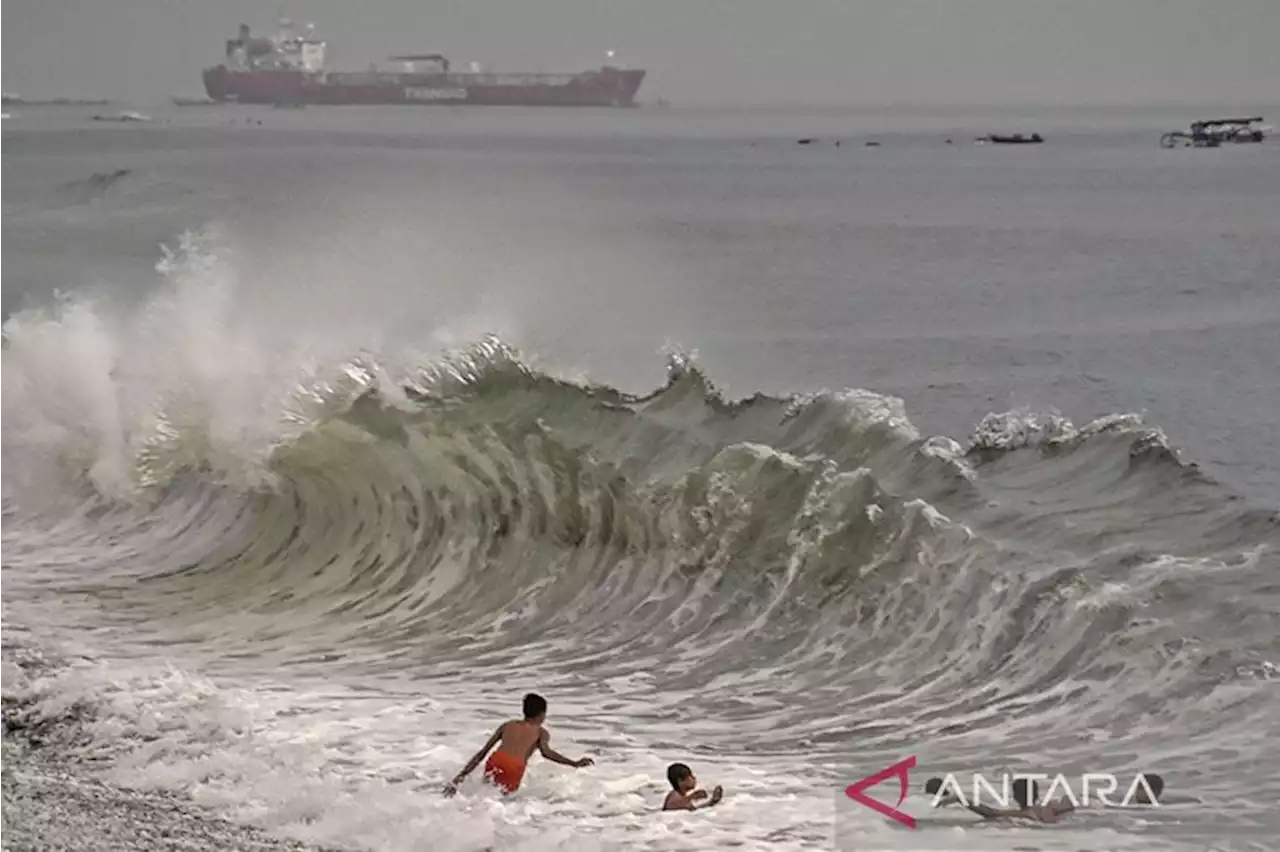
{"x":329,"y":433}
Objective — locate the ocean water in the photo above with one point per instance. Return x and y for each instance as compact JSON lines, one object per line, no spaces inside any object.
{"x":329,"y":433}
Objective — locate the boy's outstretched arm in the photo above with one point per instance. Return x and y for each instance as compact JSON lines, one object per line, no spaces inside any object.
{"x":545,"y":749}
{"x":475,"y":761}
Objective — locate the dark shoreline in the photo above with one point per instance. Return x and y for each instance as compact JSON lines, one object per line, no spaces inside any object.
{"x":53,"y":800}
{"x":52,"y":804}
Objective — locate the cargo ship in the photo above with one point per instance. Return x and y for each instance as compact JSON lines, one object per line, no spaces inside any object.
{"x":289,"y":68}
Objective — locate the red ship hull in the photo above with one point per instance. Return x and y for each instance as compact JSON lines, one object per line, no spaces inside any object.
{"x":608,"y":87}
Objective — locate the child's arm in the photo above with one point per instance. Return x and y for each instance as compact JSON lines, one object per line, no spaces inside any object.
{"x":994,"y":813}
{"x":680,"y":802}
{"x":475,"y":761}
{"x":1061,"y":807}
{"x":545,"y":749}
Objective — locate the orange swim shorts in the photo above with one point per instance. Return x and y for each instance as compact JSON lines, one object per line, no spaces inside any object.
{"x":504,"y":770}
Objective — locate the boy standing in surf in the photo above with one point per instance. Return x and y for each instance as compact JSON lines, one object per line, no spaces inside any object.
{"x":516,"y":741}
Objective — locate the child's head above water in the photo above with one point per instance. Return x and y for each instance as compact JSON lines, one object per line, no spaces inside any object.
{"x":535,"y":707}
{"x":681,"y":777}
{"x":1026,"y":792}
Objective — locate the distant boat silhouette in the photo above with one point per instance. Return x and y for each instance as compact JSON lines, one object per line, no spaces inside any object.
{"x":1015,"y":139}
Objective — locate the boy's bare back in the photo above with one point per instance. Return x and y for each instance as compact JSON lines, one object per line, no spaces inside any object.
{"x":521,"y":738}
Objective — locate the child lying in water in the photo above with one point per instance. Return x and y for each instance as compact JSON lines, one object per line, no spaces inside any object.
{"x":683,"y":793}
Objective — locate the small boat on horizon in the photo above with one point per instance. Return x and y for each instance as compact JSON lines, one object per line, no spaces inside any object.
{"x":1014,"y":139}
{"x":123,"y":116}
{"x":1212,"y":133}
{"x":10,"y":99}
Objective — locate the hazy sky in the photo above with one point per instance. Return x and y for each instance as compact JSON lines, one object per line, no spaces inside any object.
{"x":738,"y":51}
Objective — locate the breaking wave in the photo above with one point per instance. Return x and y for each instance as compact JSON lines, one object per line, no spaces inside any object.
{"x":804,"y":579}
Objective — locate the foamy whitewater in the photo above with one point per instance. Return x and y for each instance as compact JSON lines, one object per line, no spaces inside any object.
{"x":300,"y":578}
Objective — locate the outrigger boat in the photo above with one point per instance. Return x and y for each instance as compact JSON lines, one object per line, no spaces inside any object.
{"x":1211,"y":134}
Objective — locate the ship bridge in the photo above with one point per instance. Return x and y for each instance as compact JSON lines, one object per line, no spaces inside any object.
{"x":286,"y":51}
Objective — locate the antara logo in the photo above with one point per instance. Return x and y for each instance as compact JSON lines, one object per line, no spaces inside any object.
{"x":1094,"y":786}
{"x":899,"y":770}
